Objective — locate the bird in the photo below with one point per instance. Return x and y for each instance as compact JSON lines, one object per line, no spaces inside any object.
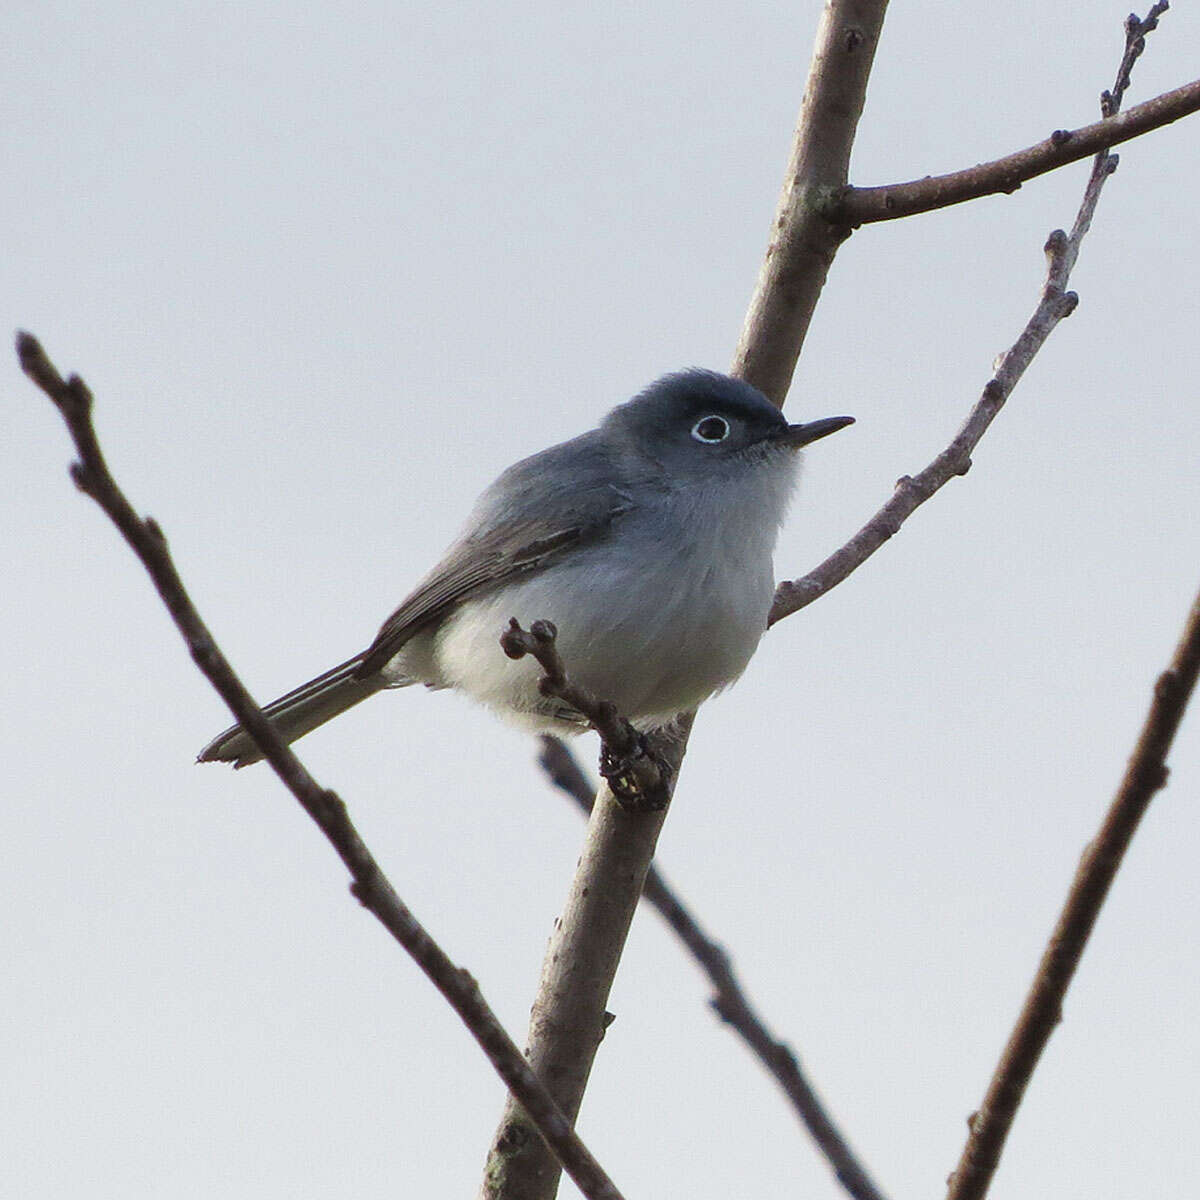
{"x":647,"y":542}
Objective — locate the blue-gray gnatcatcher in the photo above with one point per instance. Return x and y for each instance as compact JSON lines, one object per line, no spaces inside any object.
{"x":647,"y":541}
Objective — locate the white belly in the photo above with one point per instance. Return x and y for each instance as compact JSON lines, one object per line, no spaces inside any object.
{"x":655,"y":629}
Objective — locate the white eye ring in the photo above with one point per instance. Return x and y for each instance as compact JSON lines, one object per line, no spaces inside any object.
{"x":710,"y":430}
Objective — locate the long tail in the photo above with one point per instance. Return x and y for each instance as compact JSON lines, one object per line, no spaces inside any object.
{"x":299,"y":712}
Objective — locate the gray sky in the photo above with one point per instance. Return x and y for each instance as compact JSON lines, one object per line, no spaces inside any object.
{"x":328,"y":269}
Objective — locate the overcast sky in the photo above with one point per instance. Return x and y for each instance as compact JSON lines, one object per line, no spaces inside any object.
{"x":328,"y":269}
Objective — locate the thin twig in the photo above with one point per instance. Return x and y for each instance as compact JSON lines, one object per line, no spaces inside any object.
{"x":639,"y":779}
{"x":729,"y":1000}
{"x":91,"y":475}
{"x":912,"y":491}
{"x":1056,"y":302}
{"x":1144,"y":776}
{"x":1136,"y":30}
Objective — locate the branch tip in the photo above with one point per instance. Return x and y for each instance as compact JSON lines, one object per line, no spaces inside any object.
{"x":512,"y":640}
{"x":544,"y":631}
{"x":27,"y":345}
{"x":1056,"y":243}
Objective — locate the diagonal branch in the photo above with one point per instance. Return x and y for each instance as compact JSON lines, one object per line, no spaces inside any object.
{"x":729,"y":999}
{"x":864,"y":206}
{"x":912,"y":491}
{"x":372,"y":888}
{"x":1144,"y":776}
{"x":569,"y":1013}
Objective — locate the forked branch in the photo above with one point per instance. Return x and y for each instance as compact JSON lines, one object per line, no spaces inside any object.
{"x":729,"y":999}
{"x":1056,"y":302}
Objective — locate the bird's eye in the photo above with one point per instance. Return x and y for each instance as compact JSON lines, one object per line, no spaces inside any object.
{"x":711,"y":429}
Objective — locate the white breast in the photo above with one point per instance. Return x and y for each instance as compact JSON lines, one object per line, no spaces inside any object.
{"x":656,"y":619}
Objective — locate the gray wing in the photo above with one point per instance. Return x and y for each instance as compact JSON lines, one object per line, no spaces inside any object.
{"x":538,"y":510}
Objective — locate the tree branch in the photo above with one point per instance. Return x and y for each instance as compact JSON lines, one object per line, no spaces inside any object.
{"x":912,"y":491}
{"x":804,"y":238}
{"x":568,"y":1015}
{"x":863,"y":206}
{"x":1144,"y":776}
{"x":372,"y":888}
{"x":638,"y":779}
{"x":1056,"y":302}
{"x":729,"y":999}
